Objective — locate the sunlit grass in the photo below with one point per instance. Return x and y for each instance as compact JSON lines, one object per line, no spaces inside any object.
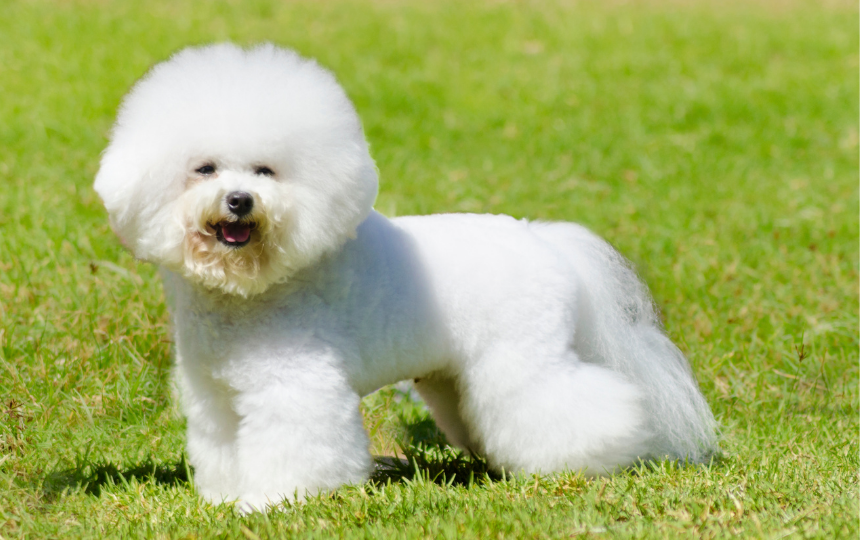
{"x":715,"y":144}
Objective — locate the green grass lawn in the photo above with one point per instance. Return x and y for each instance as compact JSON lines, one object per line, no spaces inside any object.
{"x":714,"y":143}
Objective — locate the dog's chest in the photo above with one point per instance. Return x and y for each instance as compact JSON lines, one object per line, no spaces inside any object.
{"x":240,"y":335}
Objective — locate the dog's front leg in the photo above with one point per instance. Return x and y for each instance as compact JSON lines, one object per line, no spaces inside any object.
{"x":300,"y":432}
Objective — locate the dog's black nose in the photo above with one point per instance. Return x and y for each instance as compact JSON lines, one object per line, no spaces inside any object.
{"x":240,"y":203}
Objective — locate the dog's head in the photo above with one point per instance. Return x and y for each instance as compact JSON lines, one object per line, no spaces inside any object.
{"x":236,"y":168}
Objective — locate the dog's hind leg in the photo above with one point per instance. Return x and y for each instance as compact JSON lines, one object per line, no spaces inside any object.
{"x":539,"y":415}
{"x":441,"y":395}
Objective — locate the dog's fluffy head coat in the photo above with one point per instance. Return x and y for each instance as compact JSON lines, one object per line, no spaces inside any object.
{"x":240,"y":112}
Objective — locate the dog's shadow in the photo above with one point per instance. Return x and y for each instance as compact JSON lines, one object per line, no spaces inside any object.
{"x":441,"y":465}
{"x":424,"y":454}
{"x":438,"y":464}
{"x":92,"y":477}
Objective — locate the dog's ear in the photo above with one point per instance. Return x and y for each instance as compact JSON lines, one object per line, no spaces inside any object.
{"x":116,"y":184}
{"x":138,"y":197}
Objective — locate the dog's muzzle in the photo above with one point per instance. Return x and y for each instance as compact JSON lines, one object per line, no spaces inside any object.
{"x":236,"y":233}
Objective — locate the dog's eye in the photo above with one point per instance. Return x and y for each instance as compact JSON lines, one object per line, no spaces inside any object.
{"x":265,"y":171}
{"x":206,"y":169}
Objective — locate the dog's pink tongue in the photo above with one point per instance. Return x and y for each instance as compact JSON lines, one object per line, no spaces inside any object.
{"x":236,"y":232}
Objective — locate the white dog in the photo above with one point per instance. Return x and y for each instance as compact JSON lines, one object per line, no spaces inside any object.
{"x":245,"y":175}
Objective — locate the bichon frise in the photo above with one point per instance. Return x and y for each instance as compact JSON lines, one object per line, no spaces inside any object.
{"x":245,"y":175}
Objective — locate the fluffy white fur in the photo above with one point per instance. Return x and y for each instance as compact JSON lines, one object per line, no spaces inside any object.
{"x":534,"y":344}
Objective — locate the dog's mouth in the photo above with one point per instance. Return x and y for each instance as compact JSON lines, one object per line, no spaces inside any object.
{"x":233,"y":233}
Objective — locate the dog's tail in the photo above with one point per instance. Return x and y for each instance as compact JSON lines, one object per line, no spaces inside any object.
{"x":618,"y":328}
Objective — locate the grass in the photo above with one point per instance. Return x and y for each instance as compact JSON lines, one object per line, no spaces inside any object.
{"x":714,"y":143}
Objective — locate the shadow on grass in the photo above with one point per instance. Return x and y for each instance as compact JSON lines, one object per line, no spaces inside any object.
{"x":433,"y":461}
{"x":425,"y":454}
{"x":440,"y":464}
{"x":92,"y":477}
